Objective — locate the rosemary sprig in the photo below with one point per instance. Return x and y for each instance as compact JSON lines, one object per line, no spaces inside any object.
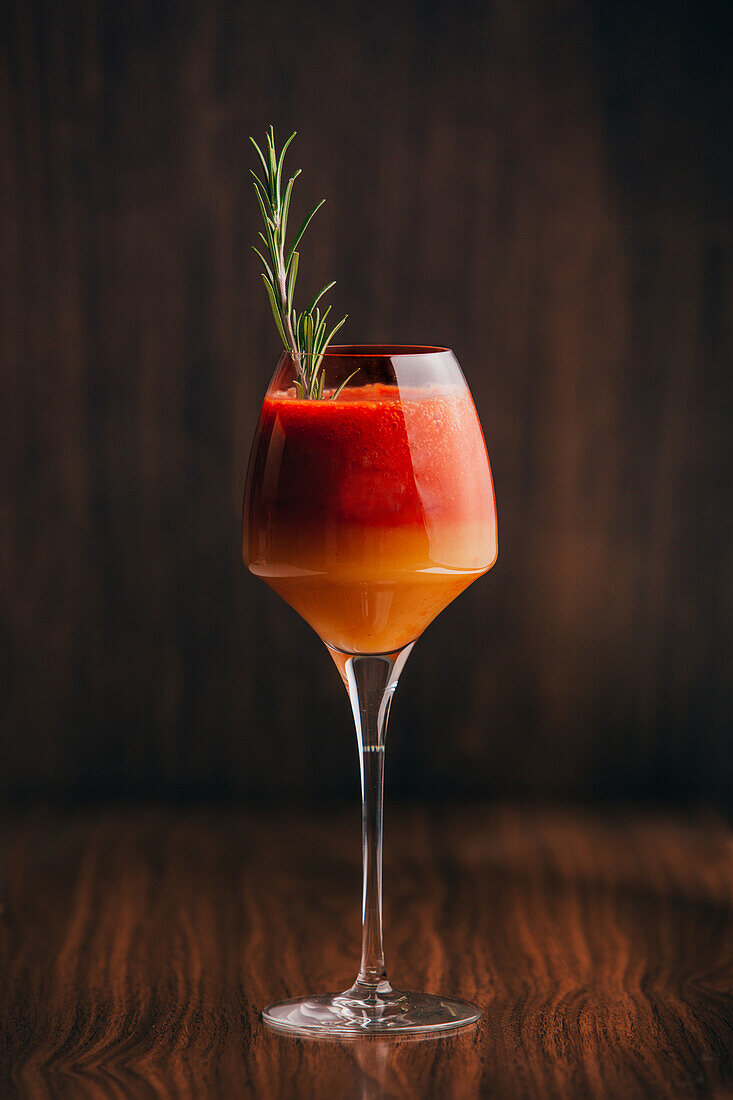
{"x":305,"y":335}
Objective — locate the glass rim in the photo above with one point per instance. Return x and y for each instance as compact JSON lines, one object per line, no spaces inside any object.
{"x":382,"y":351}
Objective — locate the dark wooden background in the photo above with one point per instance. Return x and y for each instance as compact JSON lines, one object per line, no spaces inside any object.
{"x":543,"y":186}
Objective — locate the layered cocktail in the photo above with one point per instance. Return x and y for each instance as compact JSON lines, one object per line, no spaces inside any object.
{"x":369,"y":507}
{"x":370,"y":513}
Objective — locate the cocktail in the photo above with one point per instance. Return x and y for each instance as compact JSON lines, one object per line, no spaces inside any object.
{"x":369,"y":506}
{"x":369,"y":514}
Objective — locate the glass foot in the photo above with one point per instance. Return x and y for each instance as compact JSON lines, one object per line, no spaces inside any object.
{"x":345,"y":1015}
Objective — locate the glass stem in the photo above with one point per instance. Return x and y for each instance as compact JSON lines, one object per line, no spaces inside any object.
{"x":371,"y":681}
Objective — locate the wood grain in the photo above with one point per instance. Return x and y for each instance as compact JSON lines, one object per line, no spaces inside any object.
{"x":137,"y":947}
{"x":543,"y":185}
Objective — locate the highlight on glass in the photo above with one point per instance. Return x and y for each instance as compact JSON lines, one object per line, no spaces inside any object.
{"x":369,"y":506}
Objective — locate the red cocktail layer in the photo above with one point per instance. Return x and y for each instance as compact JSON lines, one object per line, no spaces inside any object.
{"x":370,"y":513}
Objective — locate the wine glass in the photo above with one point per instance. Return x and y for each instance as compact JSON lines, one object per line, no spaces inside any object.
{"x":368,"y":513}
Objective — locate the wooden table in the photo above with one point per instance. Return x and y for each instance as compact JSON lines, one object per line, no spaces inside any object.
{"x":137,"y":946}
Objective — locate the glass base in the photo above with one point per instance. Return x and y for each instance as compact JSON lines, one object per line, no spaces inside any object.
{"x":347,"y":1015}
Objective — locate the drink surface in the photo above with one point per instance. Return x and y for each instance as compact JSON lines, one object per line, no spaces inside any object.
{"x":370,"y":513}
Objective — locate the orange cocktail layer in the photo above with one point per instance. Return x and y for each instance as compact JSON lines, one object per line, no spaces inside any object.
{"x":370,"y":513}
